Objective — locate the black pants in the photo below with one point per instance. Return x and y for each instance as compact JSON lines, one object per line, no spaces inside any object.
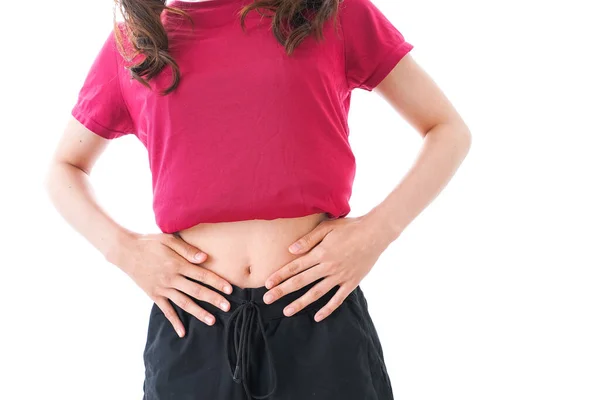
{"x":255,"y":351}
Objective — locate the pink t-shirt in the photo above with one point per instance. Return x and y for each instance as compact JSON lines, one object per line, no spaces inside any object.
{"x":250,"y":133}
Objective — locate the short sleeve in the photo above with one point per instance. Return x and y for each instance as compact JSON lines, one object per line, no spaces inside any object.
{"x":373,"y":45}
{"x":100,"y":106}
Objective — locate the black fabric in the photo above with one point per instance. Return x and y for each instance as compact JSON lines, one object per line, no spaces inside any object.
{"x":254,"y":351}
{"x":245,"y":316}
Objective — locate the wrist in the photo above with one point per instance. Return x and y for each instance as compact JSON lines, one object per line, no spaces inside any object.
{"x":382,"y":226}
{"x":118,"y":251}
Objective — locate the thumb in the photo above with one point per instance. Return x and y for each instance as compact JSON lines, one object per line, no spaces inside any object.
{"x":309,"y":240}
{"x":186,"y":250}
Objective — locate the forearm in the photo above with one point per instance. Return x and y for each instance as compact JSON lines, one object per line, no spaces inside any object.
{"x":444,"y":148}
{"x":71,"y":193}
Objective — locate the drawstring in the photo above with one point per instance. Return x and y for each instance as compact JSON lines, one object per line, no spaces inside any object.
{"x":243,"y":318}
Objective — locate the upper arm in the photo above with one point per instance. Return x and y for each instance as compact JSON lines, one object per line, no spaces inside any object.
{"x":99,"y":114}
{"x":373,"y":45}
{"x":416,"y":97}
{"x":100,"y":105}
{"x":378,"y":58}
{"x":78,"y":146}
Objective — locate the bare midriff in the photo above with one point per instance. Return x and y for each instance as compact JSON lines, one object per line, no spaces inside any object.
{"x":246,"y":253}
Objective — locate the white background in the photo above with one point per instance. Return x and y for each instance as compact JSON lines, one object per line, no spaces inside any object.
{"x":491,"y":293}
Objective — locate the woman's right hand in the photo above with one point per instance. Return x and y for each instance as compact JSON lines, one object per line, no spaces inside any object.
{"x":159,"y":264}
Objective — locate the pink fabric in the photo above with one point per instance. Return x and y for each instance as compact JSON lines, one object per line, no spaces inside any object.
{"x":250,"y":133}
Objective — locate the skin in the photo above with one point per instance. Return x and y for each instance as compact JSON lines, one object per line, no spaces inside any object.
{"x":254,"y":253}
{"x":344,"y":251}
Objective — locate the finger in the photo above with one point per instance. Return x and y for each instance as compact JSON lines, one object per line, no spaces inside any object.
{"x":294,"y":283}
{"x":292,"y":268}
{"x":184,"y":249}
{"x":311,"y":239}
{"x":171,"y":315}
{"x":206,"y":276}
{"x":200,"y":292}
{"x":188,"y":305}
{"x":307,"y":298}
{"x":333,"y":303}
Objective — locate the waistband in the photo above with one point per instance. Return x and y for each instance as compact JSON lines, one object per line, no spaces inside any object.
{"x":239,"y":296}
{"x":244,"y":324}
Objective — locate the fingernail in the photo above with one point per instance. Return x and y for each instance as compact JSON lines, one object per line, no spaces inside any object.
{"x":318,"y":317}
{"x":268,"y":297}
{"x":179,"y":332}
{"x":208,"y":319}
{"x":288,"y":311}
{"x":227,"y":289}
{"x":224,"y":306}
{"x":268,"y":284}
{"x":199,"y":256}
{"x":295,"y":247}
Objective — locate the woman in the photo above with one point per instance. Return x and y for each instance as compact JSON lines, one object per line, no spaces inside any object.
{"x":243,"y":109}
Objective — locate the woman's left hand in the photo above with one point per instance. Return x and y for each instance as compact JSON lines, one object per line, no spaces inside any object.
{"x":342,"y":251}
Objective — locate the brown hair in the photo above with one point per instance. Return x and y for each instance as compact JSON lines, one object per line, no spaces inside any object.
{"x":292,"y":21}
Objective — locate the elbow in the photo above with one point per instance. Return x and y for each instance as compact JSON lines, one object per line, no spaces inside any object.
{"x":52,"y":176}
{"x":464,"y":139}
{"x":461,"y":141}
{"x":455,"y":134}
{"x":461,"y":136}
{"x":48,"y":179}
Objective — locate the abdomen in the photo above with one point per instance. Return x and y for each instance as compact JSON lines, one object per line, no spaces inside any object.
{"x":247,"y":252}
